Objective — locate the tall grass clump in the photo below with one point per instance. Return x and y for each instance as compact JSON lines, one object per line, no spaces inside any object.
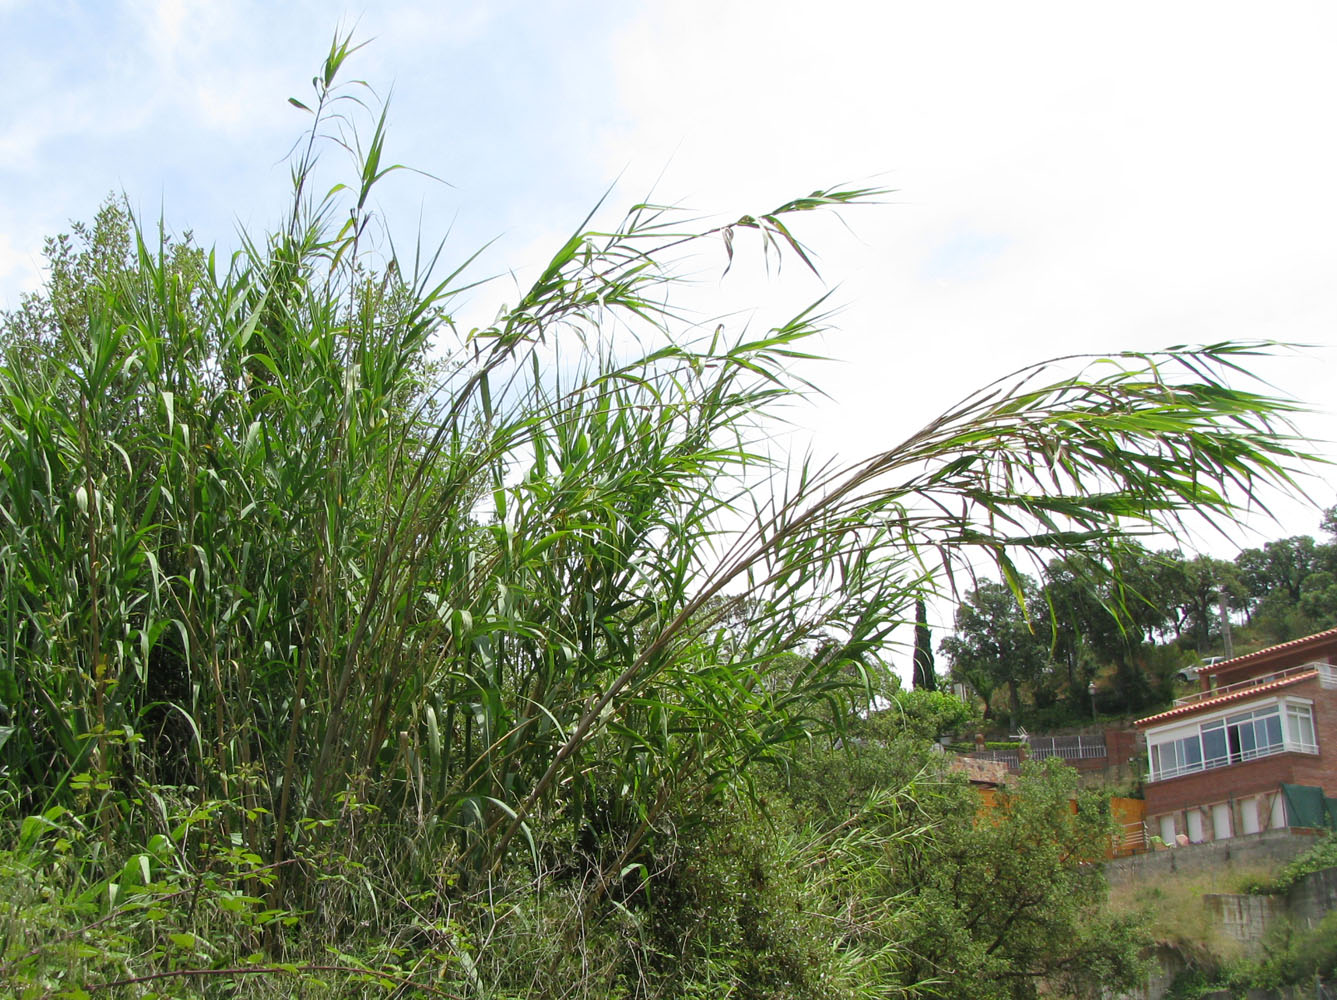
{"x":400,"y":613}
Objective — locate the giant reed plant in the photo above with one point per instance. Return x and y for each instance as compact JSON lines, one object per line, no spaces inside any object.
{"x":274,"y":530}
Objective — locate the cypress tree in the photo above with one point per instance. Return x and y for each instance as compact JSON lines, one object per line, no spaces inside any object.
{"x":924,"y":676}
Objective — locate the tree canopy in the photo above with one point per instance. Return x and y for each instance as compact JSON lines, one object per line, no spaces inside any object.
{"x":1135,"y":621}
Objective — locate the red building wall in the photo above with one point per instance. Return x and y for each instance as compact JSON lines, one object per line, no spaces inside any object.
{"x":1256,"y":777}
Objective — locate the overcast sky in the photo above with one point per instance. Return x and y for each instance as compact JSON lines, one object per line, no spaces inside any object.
{"x":1069,"y":177}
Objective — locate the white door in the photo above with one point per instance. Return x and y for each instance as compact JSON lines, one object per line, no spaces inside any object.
{"x":1195,"y":826}
{"x":1249,"y":815}
{"x":1221,"y":821}
{"x":1168,"y":830}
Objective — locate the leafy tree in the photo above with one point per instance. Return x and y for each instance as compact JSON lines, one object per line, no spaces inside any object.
{"x":1319,"y":601}
{"x":1192,"y":590}
{"x":1070,"y":600}
{"x":996,"y":644}
{"x":1124,"y":601}
{"x":1000,"y":903}
{"x":1281,"y":565}
{"x":1329,"y":523}
{"x":1089,"y":615}
{"x":919,"y":715}
{"x":1008,"y":902}
{"x":1292,"y":561}
{"x":1286,"y":584}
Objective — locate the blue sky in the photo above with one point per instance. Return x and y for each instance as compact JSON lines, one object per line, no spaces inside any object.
{"x":1069,"y":177}
{"x":182,"y":107}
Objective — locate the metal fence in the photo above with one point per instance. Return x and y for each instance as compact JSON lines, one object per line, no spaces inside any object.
{"x":1067,"y":747}
{"x":1040,"y":747}
{"x":1011,"y":758}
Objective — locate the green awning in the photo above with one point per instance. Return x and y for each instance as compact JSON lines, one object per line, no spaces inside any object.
{"x":1308,"y":806}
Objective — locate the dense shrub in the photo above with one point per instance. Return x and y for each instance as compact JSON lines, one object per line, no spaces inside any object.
{"x":328,"y":624}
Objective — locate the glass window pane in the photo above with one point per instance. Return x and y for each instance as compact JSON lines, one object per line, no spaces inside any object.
{"x":1301,"y":725}
{"x":1190,"y":753}
{"x":1269,"y":731}
{"x":1214,"y":746}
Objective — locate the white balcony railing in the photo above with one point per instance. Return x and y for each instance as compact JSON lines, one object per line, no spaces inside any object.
{"x":1325,"y":671}
{"x":1243,"y":756}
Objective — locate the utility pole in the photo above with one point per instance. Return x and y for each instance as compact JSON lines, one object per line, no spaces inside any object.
{"x":1225,"y":621}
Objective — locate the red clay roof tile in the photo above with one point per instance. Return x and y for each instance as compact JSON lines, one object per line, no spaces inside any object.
{"x":1262,"y":654}
{"x":1240,"y":695}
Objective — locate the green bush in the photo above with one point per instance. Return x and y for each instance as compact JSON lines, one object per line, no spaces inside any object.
{"x":1323,"y":854}
{"x":1292,"y":956}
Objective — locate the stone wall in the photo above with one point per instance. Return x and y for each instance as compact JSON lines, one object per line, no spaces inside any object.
{"x":1269,"y":849}
{"x":1313,"y":897}
{"x":1247,"y":919}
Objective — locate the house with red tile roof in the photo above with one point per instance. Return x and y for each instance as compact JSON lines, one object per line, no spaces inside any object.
{"x":1218,"y":759}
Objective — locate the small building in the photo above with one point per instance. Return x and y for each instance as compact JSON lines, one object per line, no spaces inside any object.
{"x":1218,"y":760}
{"x":982,"y":774}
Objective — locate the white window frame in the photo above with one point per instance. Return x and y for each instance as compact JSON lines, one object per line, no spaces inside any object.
{"x":1235,"y":735}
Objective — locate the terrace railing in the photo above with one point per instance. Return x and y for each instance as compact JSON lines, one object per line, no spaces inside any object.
{"x":1253,"y":682}
{"x":1067,"y":747}
{"x":1012,"y":758}
{"x":1039,"y":747}
{"x":1238,"y":756}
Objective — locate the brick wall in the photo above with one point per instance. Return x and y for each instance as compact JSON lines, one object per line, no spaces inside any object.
{"x":1255,"y":777}
{"x":1122,"y":745}
{"x":1324,"y":769}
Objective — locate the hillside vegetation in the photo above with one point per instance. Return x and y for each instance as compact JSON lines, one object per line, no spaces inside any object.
{"x":342,"y":645}
{"x":1030,"y":650}
{"x":1288,"y":954}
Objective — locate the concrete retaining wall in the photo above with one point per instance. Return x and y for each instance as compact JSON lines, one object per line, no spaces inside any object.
{"x":1269,"y":849}
{"x":1313,"y":897}
{"x":1247,"y":919}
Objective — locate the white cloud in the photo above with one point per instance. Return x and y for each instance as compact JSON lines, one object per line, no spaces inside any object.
{"x":1067,"y":180}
